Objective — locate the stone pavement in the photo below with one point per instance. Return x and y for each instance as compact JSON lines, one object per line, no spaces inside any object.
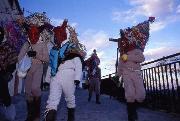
{"x":109,"y":110}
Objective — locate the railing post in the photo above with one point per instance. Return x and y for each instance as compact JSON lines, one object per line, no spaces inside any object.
{"x":117,"y":59}
{"x":162,"y":83}
{"x":109,"y":76}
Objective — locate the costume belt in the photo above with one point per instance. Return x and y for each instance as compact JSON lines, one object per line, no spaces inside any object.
{"x":36,"y":61}
{"x":66,"y":68}
{"x":132,"y":69}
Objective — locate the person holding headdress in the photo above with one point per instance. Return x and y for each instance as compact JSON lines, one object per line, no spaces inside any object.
{"x":132,"y":44}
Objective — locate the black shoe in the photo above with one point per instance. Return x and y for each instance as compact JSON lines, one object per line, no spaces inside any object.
{"x":71,"y":116}
{"x":97,"y":99}
{"x":89,"y":98}
{"x":37,"y":111}
{"x":30,"y":111}
{"x":51,"y":115}
{"x":135,"y":115}
{"x":132,"y":113}
{"x":29,"y":118}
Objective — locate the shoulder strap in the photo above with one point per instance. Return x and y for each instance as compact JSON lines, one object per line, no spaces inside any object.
{"x":67,"y":46}
{"x":30,"y":45}
{"x":62,"y":59}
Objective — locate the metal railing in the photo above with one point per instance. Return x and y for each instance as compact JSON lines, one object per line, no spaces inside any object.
{"x":162,"y":83}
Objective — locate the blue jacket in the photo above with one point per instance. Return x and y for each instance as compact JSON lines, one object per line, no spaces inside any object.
{"x":56,"y":57}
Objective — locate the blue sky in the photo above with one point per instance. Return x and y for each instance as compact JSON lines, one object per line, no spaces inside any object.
{"x":98,"y":20}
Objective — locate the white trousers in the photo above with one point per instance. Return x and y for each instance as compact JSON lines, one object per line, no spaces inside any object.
{"x":63,"y":82}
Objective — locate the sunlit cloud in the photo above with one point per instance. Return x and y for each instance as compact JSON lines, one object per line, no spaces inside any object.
{"x":178,"y":9}
{"x":74,"y":24}
{"x":59,"y":21}
{"x":94,"y":39}
{"x":157,"y":26}
{"x":165,"y":11}
{"x":153,"y":7}
{"x":124,"y":16}
{"x":164,"y":49}
{"x":98,"y":40}
{"x":56,"y":21}
{"x":107,"y":66}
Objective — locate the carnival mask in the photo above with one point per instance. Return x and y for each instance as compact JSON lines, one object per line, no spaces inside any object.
{"x":60,"y":33}
{"x":33,"y":34}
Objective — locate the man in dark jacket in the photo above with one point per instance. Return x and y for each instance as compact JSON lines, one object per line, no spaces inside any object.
{"x":94,"y":77}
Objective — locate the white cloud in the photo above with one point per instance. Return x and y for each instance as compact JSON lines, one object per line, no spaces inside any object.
{"x":178,"y":9}
{"x":56,"y":21}
{"x":94,"y":39}
{"x":157,"y":26}
{"x":162,"y":50}
{"x":107,"y":66}
{"x":165,"y":12}
{"x":124,"y":16}
{"x":153,"y":7}
{"x":168,"y":20}
{"x":161,"y":24}
{"x":159,"y":52}
{"x":74,"y":25}
{"x":99,"y":40}
{"x":146,"y":8}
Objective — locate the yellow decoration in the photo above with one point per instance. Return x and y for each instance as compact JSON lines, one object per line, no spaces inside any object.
{"x":124,"y":57}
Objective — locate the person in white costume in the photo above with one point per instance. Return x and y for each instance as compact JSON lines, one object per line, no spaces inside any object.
{"x":68,"y":73}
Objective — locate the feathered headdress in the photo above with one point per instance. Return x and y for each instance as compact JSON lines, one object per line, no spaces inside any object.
{"x":75,"y":46}
{"x":135,"y":37}
{"x":37,"y":19}
{"x":37,"y":22}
